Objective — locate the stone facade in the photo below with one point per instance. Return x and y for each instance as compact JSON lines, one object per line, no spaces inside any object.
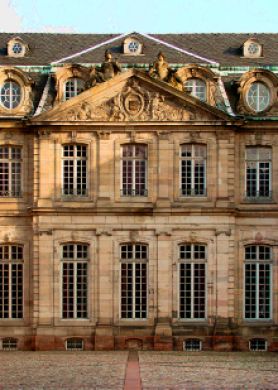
{"x":134,"y":108}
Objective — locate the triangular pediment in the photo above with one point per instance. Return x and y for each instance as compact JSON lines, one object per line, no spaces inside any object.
{"x":132,"y":96}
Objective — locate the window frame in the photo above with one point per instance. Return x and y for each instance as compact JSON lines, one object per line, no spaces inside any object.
{"x":257,"y":83}
{"x":75,"y":261}
{"x":75,"y":159}
{"x":67,"y":95}
{"x":11,"y":95}
{"x":10,"y":261}
{"x":194,"y":88}
{"x":10,"y":161}
{"x":257,"y":262}
{"x":134,"y":261}
{"x":133,"y":158}
{"x":193,"y":160}
{"x":192,"y":261}
{"x":257,"y":161}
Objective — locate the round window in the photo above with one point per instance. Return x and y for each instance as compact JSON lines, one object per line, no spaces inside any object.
{"x":17,"y":48}
{"x":133,"y":46}
{"x":196,"y":88}
{"x":10,"y":94}
{"x":253,"y":48}
{"x":258,"y":96}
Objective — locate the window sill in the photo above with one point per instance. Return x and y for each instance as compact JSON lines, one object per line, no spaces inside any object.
{"x":258,"y":322}
{"x":258,"y":200}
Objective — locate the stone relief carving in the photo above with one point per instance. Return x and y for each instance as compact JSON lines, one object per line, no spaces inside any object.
{"x":133,"y":103}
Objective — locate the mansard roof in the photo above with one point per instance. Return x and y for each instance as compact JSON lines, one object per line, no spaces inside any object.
{"x":224,"y":49}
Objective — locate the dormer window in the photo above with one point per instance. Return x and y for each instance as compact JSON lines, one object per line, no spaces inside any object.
{"x":73,"y":87}
{"x":252,"y":48}
{"x":258,"y":96}
{"x":197,"y":88}
{"x":10,"y":94}
{"x":16,"y":47}
{"x":132,"y":46}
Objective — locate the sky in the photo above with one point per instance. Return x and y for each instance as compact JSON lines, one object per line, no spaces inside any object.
{"x":148,"y":16}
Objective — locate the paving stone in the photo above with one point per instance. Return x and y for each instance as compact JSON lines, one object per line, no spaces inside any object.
{"x":208,"y":370}
{"x":62,"y":370}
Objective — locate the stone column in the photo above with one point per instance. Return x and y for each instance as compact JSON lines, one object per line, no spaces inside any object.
{"x":163,"y":330}
{"x":104,"y":338}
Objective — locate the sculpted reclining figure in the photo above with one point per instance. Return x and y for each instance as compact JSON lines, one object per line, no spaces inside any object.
{"x":107,"y":71}
{"x":161,"y":70}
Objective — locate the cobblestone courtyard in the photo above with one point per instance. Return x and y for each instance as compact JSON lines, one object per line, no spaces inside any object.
{"x":159,"y":370}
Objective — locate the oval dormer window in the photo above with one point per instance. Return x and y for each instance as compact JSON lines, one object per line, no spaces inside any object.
{"x":258,"y":96}
{"x":10,"y":94}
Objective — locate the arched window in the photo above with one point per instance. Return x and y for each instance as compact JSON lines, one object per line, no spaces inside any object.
{"x":74,"y":170}
{"x":257,"y":284}
{"x":193,"y":170}
{"x":258,"y":96}
{"x":134,"y":258}
{"x":197,"y":88}
{"x":134,"y":170}
{"x":75,"y":259}
{"x":10,"y":171}
{"x":10,"y":94}
{"x":11,"y":281}
{"x":73,"y":87}
{"x":192,"y":281}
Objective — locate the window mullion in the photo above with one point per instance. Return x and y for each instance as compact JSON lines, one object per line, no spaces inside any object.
{"x":133,"y":175}
{"x":133,"y":291}
{"x":258,"y":177}
{"x":74,"y":289}
{"x":192,"y":290}
{"x":10,"y":290}
{"x":257,"y":290}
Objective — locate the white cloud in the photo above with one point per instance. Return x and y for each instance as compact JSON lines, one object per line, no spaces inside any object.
{"x":10,"y":21}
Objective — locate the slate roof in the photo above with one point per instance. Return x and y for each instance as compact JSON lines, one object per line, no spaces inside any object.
{"x":224,"y":49}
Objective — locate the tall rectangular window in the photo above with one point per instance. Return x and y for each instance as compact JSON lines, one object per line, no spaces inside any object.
{"x":193,"y":170}
{"x":75,"y":259}
{"x":134,"y":170}
{"x":258,"y":267}
{"x":11,"y":281}
{"x":75,"y":170}
{"x":192,"y":281}
{"x":10,"y":171}
{"x":258,"y":172}
{"x":134,"y":259}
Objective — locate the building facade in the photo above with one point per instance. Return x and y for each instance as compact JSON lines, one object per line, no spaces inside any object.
{"x":138,"y":196}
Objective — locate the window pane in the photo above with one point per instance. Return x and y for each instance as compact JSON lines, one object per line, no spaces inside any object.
{"x":258,"y":96}
{"x":134,"y":281}
{"x":134,"y":170}
{"x":193,"y":170}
